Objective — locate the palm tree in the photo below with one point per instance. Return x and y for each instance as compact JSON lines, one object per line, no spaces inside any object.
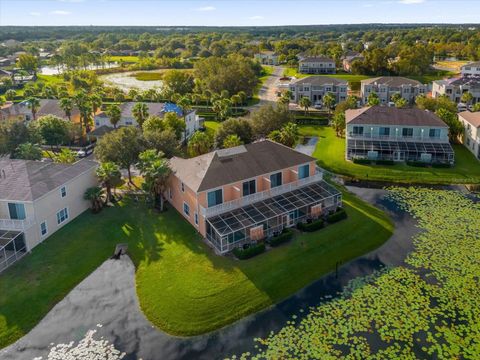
{"x":200,"y":143}
{"x":81,"y":100}
{"x":96,"y":102}
{"x":232,"y":141}
{"x":107,"y":173}
{"x":94,"y":195}
{"x":66,"y":104}
{"x":196,"y":98}
{"x":33,"y":104}
{"x":329,"y":102}
{"x":243,"y":97}
{"x":115,"y":114}
{"x":373,"y":99}
{"x":140,"y":113}
{"x":235,"y":99}
{"x":305,"y":102}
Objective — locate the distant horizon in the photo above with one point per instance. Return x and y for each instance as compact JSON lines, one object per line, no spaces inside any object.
{"x":247,"y":13}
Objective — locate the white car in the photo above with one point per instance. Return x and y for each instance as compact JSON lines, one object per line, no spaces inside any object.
{"x":318,"y":106}
{"x":81,"y":153}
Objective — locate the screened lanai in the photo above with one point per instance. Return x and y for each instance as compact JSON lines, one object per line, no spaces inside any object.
{"x":12,"y":247}
{"x":399,"y":150}
{"x":267,"y":217}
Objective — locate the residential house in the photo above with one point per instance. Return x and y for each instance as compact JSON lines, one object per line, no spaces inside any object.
{"x":21,"y":111}
{"x":471,"y":138}
{"x":455,"y":87}
{"x":38,"y":198}
{"x":267,"y":58}
{"x":247,"y":193}
{"x":192,"y":121}
{"x":389,"y":133}
{"x":316,"y":65}
{"x":349,"y":58}
{"x":315,"y":87}
{"x":470,"y":69}
{"x":386,"y":86}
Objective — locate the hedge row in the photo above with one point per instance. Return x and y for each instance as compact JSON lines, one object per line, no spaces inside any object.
{"x":310,"y":227}
{"x":286,"y":235}
{"x":249,"y":252}
{"x":378,"y":162}
{"x":340,"y":214}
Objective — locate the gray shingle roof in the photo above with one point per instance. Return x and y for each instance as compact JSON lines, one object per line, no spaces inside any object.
{"x":394,"y":81}
{"x":47,"y":107}
{"x":382,"y":115}
{"x":475,"y":63}
{"x":27,"y":180}
{"x":317,"y":59}
{"x":320,"y":80}
{"x":227,"y":166}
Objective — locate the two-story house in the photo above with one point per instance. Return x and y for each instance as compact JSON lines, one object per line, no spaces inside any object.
{"x":454,"y":88}
{"x":267,"y":58}
{"x":38,"y":198}
{"x":21,"y":112}
{"x":386,"y":86}
{"x":471,"y":69}
{"x":249,"y":192}
{"x":192,"y":121}
{"x":471,"y":124}
{"x":315,"y":87}
{"x":349,"y":58}
{"x":389,"y":133}
{"x":316,"y":65}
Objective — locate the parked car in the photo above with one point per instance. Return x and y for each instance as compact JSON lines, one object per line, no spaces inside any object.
{"x":318,"y":105}
{"x":81,"y":153}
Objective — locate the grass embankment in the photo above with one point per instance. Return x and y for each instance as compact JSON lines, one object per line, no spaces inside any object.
{"x":183,"y":288}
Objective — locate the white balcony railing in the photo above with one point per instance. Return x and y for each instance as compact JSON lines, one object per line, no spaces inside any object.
{"x":259,"y":196}
{"x":397,"y":138}
{"x":10,"y":224}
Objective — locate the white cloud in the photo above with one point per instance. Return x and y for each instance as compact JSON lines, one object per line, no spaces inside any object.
{"x":61,"y":12}
{"x":256,"y":17}
{"x":35,"y":13}
{"x":206,"y":8}
{"x":410,"y":2}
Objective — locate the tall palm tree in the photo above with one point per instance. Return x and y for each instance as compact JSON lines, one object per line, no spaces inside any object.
{"x":305,"y":103}
{"x":235,"y":99}
{"x":140,"y":113}
{"x":33,"y":104}
{"x":107,"y":173}
{"x":115,"y":114}
{"x":329,"y":102}
{"x":66,"y":104}
{"x":96,"y":102}
{"x":94,"y":195}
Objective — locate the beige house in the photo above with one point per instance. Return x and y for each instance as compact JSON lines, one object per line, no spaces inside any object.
{"x":471,"y":123}
{"x":21,"y":111}
{"x":248,"y":193}
{"x":316,"y":87}
{"x":38,"y":198}
{"x":267,"y":58}
{"x":386,"y":86}
{"x":471,"y":69}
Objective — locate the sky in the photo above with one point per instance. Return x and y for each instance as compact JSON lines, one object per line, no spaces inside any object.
{"x":235,"y":12}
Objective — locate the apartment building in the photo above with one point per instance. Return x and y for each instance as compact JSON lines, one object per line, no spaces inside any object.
{"x":471,"y":69}
{"x":316,"y":65}
{"x":471,"y":124}
{"x":21,"y":112}
{"x":454,"y":88}
{"x":386,"y":86}
{"x":315,"y":87}
{"x":267,"y":58}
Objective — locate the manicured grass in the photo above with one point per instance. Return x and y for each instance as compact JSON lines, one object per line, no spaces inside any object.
{"x":211,"y":127}
{"x":453,"y":65}
{"x":182,"y":286}
{"x":121,"y":58}
{"x":330,"y":152}
{"x":148,"y":76}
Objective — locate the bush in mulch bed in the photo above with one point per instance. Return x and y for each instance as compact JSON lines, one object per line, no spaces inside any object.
{"x":312,"y":226}
{"x":283,"y":237}
{"x":340,"y":214}
{"x":249,"y":252}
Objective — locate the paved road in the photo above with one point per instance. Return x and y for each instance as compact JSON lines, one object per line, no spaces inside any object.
{"x":108,"y":297}
{"x":267,"y":93}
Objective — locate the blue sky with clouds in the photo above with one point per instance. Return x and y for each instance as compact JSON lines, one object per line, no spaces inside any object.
{"x":230,"y":12}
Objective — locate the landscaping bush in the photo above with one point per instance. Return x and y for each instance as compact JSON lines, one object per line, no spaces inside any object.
{"x":286,"y":235}
{"x":249,"y":252}
{"x":417,"y":164}
{"x":340,"y":214}
{"x":362,"y":161}
{"x":441,"y":165}
{"x":310,"y":227}
{"x":385,"y":162}
{"x":305,"y":120}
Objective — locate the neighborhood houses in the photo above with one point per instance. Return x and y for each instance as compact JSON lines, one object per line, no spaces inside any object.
{"x":316,"y":87}
{"x":316,"y":65}
{"x":386,"y":86}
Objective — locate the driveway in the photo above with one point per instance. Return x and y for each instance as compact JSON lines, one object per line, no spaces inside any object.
{"x":267,"y":93}
{"x":107,"y":297}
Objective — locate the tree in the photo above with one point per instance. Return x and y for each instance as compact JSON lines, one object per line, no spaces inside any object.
{"x":232,"y":141}
{"x":433,"y":104}
{"x":175,"y":123}
{"x":285,"y":98}
{"x":65,"y":156}
{"x":234,"y":126}
{"x":338,"y":122}
{"x":28,"y":62}
{"x":81,"y":100}
{"x":108,"y":173}
{"x":28,"y":151}
{"x":156,"y":170}
{"x":373,"y":99}
{"x":395,"y":97}
{"x":235,"y":100}
{"x":455,"y":127}
{"x":287,"y":135}
{"x":221,"y":108}
{"x":140,"y":113}
{"x":467,"y":97}
{"x":66,"y":104}
{"x":305,"y":102}
{"x":96,"y":103}
{"x":268,"y":118}
{"x":178,"y":81}
{"x":121,"y":147}
{"x":153,"y":123}
{"x":329,"y":102}
{"x":162,"y":140}
{"x":33,"y":104}
{"x":114,"y":114}
{"x":401,"y":103}
{"x":10,"y":94}
{"x":53,"y":130}
{"x":94,"y":194}
{"x":476,"y":107}
{"x":200,"y":143}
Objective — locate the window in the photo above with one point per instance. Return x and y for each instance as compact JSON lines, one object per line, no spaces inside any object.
{"x":183,"y":187}
{"x":128,"y":122}
{"x":358,"y":130}
{"x":249,"y":187}
{"x":170,"y":195}
{"x":434,"y":133}
{"x":17,"y":211}
{"x":63,"y":191}
{"x":304,"y":171}
{"x":407,"y":132}
{"x":186,"y":209}
{"x":62,"y":215}
{"x":43,"y":228}
{"x":328,"y":89}
{"x":384,"y":131}
{"x":195,"y":216}
{"x":275,"y":180}
{"x":214,"y":197}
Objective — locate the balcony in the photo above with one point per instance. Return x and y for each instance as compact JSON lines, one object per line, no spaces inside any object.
{"x":396,"y":138}
{"x":10,"y":224}
{"x":250,"y":199}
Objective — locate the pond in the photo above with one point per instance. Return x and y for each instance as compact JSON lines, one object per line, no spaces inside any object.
{"x":127,"y":81}
{"x":55,"y":70}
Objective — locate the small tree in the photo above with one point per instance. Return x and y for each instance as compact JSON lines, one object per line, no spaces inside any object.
{"x":65,"y":156}
{"x":200,"y":143}
{"x":232,"y":141}
{"x":156,"y":171}
{"x":305,"y":102}
{"x":401,"y":103}
{"x":53,"y":130}
{"x":476,"y":107}
{"x":287,"y":135}
{"x":338,"y":123}
{"x":33,"y":104}
{"x":108,"y":173}
{"x":329,"y":102}
{"x":175,"y":123}
{"x":373,"y":99}
{"x":94,"y":195}
{"x":395,"y":97}
{"x":10,"y":94}
{"x":27,"y":151}
{"x":455,"y":127}
{"x":66,"y":104}
{"x":467,"y":97}
{"x":114,"y":114}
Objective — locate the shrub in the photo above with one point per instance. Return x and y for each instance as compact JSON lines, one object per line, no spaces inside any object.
{"x":385,"y":162}
{"x":441,"y":165}
{"x":417,"y":164}
{"x":286,"y":235}
{"x":249,"y":252}
{"x":310,"y":227}
{"x":340,"y":214}
{"x":361,"y":161}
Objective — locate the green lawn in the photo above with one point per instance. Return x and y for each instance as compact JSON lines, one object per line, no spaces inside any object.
{"x":121,"y":58}
{"x":211,"y":127}
{"x":148,"y":76}
{"x":330,"y":152}
{"x":182,"y":286}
